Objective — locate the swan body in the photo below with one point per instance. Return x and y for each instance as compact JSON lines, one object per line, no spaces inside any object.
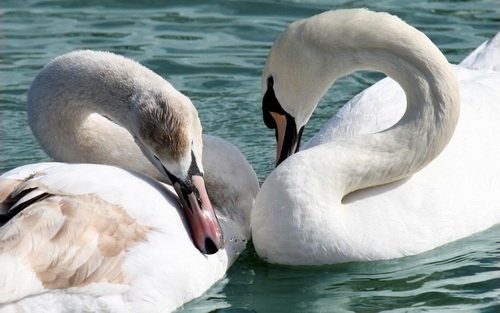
{"x":98,"y":238}
{"x":356,"y":192}
{"x":103,"y":239}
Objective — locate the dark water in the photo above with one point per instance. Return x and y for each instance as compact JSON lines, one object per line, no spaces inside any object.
{"x":213,"y":51}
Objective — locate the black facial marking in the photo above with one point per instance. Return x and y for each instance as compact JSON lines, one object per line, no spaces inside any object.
{"x":270,"y":104}
{"x":194,"y":170}
{"x":187,"y":186}
{"x":292,"y":135}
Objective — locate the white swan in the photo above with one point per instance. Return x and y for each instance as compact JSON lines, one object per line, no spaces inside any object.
{"x":352,"y":195}
{"x":101,"y":239}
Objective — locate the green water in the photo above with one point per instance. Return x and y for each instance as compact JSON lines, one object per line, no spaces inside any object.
{"x":213,"y":51}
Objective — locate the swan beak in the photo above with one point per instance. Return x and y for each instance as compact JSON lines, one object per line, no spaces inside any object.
{"x":287,"y":136}
{"x":205,"y":229}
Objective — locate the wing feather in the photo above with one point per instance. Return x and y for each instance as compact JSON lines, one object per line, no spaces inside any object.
{"x":60,"y":240}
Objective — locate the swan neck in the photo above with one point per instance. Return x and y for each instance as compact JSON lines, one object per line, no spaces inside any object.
{"x":365,"y":40}
{"x":83,"y":108}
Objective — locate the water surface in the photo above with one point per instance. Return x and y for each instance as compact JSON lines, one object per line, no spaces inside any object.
{"x":213,"y":51}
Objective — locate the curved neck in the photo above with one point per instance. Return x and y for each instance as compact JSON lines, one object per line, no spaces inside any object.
{"x":365,"y":40}
{"x":78,"y":133}
{"x":432,"y":110}
{"x":83,"y":107}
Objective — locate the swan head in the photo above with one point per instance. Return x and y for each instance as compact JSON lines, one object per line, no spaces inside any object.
{"x":168,"y":131}
{"x":297,"y":73}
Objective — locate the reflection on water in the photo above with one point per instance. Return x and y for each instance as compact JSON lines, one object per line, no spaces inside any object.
{"x":214,"y":51}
